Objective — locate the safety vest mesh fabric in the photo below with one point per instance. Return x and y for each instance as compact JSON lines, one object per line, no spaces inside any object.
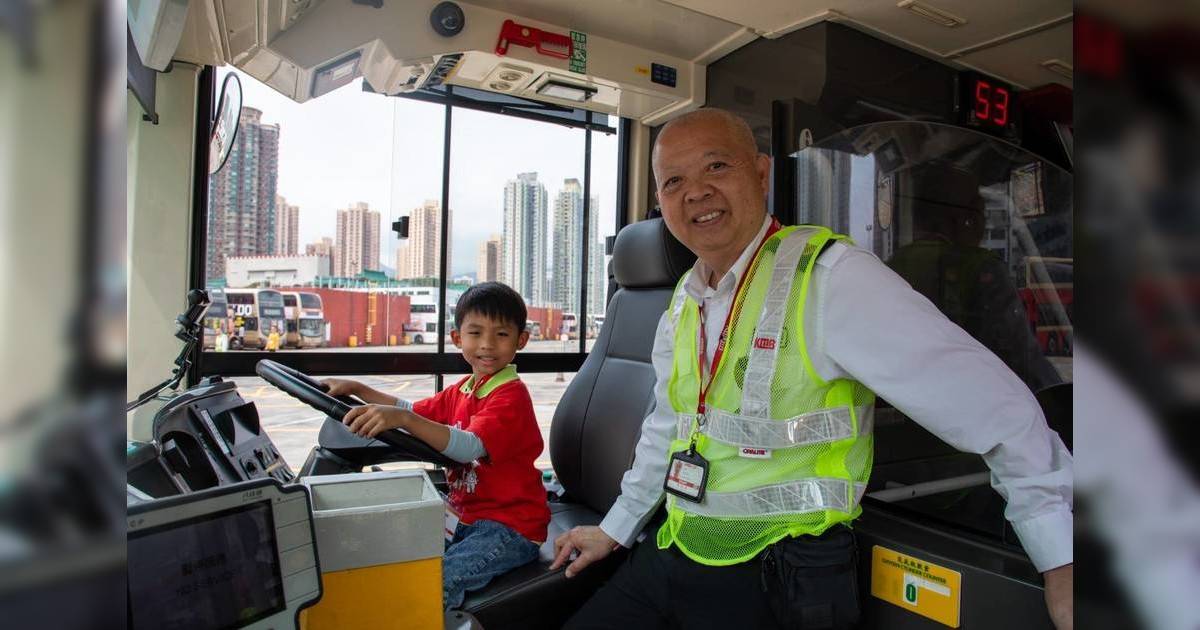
{"x":766,"y":395}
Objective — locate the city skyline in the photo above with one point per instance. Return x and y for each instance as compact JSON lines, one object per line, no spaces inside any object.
{"x":354,"y":146}
{"x":543,"y":245}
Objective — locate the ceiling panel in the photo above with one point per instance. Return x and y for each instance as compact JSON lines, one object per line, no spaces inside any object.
{"x":1008,"y":39}
{"x":1019,"y":61}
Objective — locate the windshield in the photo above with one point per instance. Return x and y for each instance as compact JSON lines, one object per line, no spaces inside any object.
{"x":270,"y":304}
{"x":981,"y":228}
{"x":310,"y":300}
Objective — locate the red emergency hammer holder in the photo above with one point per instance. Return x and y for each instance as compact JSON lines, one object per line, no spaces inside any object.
{"x":549,"y":44}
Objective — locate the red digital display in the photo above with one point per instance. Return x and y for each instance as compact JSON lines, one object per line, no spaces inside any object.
{"x":990,"y":102}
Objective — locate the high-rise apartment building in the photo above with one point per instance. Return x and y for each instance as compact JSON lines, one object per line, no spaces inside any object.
{"x":241,"y":196}
{"x":419,"y":256}
{"x":487,"y":268}
{"x":597,"y":277}
{"x":323,"y":248}
{"x":523,"y":243}
{"x":287,"y":227}
{"x":566,"y":220}
{"x":567,"y":254}
{"x":357,"y":245}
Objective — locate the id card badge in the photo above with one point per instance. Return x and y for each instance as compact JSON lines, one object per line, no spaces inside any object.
{"x":687,"y":474}
{"x":452,"y":519}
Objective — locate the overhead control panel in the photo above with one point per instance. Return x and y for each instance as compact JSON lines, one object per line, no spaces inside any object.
{"x":306,"y":48}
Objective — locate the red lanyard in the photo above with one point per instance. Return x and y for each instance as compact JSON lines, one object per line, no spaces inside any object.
{"x":720,"y":352}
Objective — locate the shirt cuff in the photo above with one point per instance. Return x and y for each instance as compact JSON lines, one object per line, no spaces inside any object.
{"x":1048,"y":539}
{"x":621,"y":525}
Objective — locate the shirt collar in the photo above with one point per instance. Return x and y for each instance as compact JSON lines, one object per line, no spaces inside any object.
{"x":480,"y":388}
{"x":696,"y":286}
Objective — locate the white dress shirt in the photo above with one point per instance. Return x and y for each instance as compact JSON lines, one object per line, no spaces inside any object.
{"x":866,"y":323}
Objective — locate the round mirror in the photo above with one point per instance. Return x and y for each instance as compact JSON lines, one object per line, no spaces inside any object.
{"x":225,"y":126}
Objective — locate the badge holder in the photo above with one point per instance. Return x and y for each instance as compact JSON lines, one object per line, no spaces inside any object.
{"x":687,"y":472}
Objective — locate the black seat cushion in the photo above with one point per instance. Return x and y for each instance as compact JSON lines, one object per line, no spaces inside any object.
{"x":533,"y":596}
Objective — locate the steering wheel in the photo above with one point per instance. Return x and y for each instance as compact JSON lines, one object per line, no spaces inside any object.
{"x":311,"y":392}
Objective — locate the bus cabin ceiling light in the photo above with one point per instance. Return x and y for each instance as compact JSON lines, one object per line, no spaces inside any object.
{"x":935,"y":15}
{"x":1059,"y":67}
{"x":566,"y":91}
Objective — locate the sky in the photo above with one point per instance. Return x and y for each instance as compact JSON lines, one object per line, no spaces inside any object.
{"x":350,"y":145}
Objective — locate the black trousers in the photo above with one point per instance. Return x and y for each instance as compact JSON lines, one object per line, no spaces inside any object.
{"x":657,"y":588}
{"x":665,"y":589}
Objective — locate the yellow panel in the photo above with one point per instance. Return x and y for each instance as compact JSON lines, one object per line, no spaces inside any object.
{"x":401,"y":595}
{"x":916,"y":585}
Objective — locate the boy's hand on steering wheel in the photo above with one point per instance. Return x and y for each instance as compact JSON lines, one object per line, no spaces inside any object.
{"x":341,"y":387}
{"x":371,"y":420}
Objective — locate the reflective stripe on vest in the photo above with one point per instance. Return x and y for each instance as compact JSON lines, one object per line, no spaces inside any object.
{"x":792,"y":497}
{"x":760,"y":370}
{"x":824,"y":425}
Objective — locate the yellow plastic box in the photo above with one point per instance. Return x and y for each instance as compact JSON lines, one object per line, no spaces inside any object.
{"x":379,"y":541}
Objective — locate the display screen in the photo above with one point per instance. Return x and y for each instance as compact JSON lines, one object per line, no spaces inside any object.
{"x":220,"y":570}
{"x":985,"y":101}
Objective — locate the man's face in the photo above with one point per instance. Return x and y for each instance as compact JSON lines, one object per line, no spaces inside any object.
{"x":488,"y":344}
{"x":711,"y":188}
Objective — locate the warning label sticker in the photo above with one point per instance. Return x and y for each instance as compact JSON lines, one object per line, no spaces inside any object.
{"x":917,"y":585}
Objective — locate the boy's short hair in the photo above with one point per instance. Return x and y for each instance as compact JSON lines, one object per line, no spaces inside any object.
{"x":493,"y":300}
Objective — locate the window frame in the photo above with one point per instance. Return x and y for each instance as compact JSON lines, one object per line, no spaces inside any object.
{"x":438,"y":362}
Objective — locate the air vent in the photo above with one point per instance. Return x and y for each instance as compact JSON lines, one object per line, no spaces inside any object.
{"x":506,"y":77}
{"x":1059,"y":67}
{"x":937,"y":16}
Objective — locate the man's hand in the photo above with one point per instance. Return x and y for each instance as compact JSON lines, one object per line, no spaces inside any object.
{"x":341,"y":386}
{"x":371,"y":420}
{"x":1060,"y":596}
{"x":591,"y":542}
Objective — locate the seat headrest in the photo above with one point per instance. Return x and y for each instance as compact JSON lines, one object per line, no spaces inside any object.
{"x":646,"y":256}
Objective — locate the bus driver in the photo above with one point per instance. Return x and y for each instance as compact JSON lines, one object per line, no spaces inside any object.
{"x":738,"y":522}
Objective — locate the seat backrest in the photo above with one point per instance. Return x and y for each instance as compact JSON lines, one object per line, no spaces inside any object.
{"x":598,"y":421}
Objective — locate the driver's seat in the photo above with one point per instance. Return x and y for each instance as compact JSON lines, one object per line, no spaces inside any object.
{"x":594,"y":431}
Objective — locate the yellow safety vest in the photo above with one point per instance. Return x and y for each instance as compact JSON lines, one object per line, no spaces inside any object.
{"x":789,"y":453}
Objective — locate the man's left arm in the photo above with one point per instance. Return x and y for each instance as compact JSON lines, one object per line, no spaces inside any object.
{"x":874,"y":327}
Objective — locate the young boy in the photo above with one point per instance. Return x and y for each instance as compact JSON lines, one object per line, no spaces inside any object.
{"x":497,"y":515}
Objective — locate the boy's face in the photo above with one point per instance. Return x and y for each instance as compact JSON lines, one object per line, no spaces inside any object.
{"x":487,"y":344}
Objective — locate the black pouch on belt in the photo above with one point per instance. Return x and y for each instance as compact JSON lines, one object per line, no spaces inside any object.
{"x":812,"y":582}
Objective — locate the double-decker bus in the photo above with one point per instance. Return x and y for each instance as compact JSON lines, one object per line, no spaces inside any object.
{"x":252,"y":314}
{"x":291,"y":308}
{"x":570,"y":326}
{"x":310,"y":320}
{"x":305,"y":320}
{"x":215,"y":318}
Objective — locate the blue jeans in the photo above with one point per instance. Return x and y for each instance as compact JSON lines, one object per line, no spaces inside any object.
{"x":479,"y":552}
